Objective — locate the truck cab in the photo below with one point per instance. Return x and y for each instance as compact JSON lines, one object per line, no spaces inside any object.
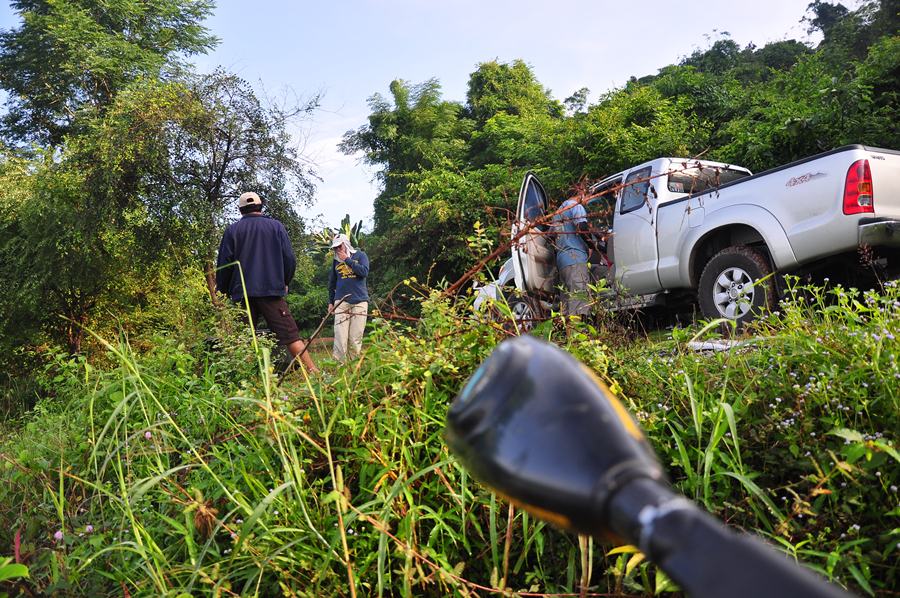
{"x":623,"y":207}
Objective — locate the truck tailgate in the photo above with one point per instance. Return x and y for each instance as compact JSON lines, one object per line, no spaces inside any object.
{"x":885,"y":165}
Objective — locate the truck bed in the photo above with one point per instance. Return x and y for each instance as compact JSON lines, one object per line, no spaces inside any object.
{"x":804,"y":200}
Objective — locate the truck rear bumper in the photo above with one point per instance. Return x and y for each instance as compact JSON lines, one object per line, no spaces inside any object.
{"x":880,"y":234}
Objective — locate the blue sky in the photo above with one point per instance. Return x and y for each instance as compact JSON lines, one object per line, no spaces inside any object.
{"x":350,"y":49}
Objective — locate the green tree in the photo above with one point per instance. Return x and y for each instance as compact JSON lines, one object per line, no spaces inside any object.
{"x":633,"y":125}
{"x":577,"y":102}
{"x":186,"y":151}
{"x":68,"y":59}
{"x":149,"y":185}
{"x":780,"y":55}
{"x":825,"y":17}
{"x":511,"y":88}
{"x":415,"y":130}
{"x":442,"y":165}
{"x":230,"y":144}
{"x":722,"y":56}
{"x":826,"y":100}
{"x":59,"y":252}
{"x":80,"y":228}
{"x":505,"y":89}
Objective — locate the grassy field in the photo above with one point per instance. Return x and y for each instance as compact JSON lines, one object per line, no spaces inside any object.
{"x":189,"y":468}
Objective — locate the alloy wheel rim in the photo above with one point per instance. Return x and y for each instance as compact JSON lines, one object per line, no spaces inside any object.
{"x":523,"y":315}
{"x":733,"y":293}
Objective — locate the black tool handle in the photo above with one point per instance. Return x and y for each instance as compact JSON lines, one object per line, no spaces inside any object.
{"x":703,"y":556}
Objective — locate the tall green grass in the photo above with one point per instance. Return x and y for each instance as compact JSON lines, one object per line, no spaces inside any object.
{"x":201,"y":472}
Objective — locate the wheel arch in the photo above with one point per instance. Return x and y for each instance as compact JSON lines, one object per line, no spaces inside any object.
{"x":728,"y":285}
{"x":718,"y":239}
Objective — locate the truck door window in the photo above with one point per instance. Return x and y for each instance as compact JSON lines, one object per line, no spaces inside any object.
{"x":634,"y":193}
{"x":600,"y":208}
{"x":534,"y":204}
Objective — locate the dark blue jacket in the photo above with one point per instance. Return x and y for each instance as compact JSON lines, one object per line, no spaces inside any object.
{"x":262,"y":247}
{"x":347,"y":280}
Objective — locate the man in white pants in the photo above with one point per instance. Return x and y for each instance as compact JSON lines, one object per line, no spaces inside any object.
{"x":348,"y":297}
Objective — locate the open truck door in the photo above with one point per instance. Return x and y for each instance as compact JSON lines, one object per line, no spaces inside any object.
{"x":534,"y":256}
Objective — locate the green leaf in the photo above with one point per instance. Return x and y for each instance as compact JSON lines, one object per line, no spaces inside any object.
{"x":847,"y":434}
{"x":888,"y":449}
{"x":663,"y":583}
{"x":756,"y":491}
{"x":860,"y":579}
{"x":12,"y":571}
{"x":333,"y":496}
{"x":257,"y":513}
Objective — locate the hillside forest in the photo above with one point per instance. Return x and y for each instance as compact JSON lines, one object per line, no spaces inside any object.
{"x":149,"y":446}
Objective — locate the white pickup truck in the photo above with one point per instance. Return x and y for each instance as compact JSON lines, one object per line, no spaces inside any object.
{"x":692,"y":229}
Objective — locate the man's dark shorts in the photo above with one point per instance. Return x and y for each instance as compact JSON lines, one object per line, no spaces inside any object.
{"x":275,"y":312}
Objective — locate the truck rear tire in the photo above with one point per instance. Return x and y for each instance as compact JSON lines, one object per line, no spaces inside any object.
{"x":728,"y":287}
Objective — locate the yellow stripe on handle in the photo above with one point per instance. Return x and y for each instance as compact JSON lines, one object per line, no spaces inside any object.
{"x":617,"y":406}
{"x":548,"y":516}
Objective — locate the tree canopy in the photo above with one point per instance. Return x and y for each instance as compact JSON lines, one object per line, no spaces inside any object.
{"x":446,"y":165}
{"x":69,"y":58}
{"x":119,"y":156}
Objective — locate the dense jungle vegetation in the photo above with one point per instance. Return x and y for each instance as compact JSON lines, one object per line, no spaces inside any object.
{"x":148,"y":447}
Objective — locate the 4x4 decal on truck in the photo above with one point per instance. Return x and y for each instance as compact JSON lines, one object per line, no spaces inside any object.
{"x":803,"y":178}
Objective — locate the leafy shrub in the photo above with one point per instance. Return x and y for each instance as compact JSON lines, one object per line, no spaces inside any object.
{"x":191,"y":468}
{"x":790,"y":434}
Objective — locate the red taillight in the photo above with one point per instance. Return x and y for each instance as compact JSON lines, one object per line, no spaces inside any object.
{"x":858,"y":196}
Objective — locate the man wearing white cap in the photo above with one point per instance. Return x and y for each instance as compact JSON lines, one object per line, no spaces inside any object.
{"x":262,"y":247}
{"x":348,"y":296}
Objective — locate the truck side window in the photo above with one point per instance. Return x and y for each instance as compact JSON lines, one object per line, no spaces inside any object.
{"x":635,"y":191}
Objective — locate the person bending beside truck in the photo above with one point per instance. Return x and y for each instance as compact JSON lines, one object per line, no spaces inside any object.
{"x":348,"y":297}
{"x":261,"y":245}
{"x":573,"y":242}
